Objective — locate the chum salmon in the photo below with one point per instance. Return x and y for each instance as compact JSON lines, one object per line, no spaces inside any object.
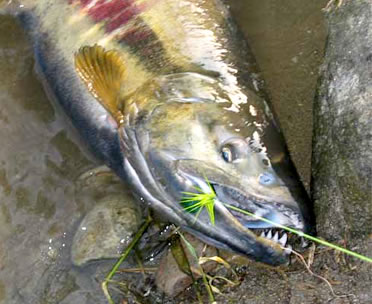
{"x":168,"y":95}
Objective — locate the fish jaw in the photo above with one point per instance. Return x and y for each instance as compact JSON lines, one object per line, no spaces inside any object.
{"x":227,"y":233}
{"x":232,"y":231}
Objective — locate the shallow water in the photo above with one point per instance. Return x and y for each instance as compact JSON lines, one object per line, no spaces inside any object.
{"x":41,"y":155}
{"x":287,"y":38}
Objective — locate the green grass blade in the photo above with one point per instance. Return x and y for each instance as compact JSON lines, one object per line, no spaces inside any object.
{"x":210,"y":209}
{"x":299,"y":233}
{"x":195,"y":202}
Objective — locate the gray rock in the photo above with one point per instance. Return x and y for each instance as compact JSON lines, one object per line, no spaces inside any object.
{"x":106,"y":229}
{"x":342,"y":156}
{"x":342,"y":146}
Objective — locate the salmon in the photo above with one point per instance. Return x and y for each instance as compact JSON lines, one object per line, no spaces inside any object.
{"x":168,"y":95}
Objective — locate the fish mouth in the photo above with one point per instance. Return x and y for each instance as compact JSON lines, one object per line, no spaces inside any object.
{"x":273,"y":211}
{"x":277,"y":213}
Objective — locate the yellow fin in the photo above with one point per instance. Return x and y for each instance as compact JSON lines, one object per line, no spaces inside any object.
{"x":103,"y":73}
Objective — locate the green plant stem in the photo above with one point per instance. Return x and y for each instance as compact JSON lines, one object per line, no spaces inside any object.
{"x":123,"y":256}
{"x":204,"y":277}
{"x":312,"y":238}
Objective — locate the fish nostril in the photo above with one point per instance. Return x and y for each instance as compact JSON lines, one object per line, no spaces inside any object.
{"x":266,"y":179}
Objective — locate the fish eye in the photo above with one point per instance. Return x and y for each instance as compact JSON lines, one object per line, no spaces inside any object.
{"x":227,"y":154}
{"x":233,"y":149}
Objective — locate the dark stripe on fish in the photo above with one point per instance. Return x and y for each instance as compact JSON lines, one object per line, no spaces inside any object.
{"x":143,"y":42}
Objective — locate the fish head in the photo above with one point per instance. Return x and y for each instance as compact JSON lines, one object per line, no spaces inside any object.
{"x":184,"y":135}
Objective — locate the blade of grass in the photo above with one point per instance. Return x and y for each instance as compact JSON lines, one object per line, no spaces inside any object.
{"x":299,"y":233}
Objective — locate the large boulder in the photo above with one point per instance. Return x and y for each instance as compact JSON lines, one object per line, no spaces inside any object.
{"x":342,"y":143}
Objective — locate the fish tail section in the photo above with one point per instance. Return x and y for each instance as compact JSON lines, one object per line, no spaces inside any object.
{"x":9,"y":7}
{"x":14,"y":7}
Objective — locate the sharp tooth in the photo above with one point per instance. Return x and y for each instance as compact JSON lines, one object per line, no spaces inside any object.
{"x":283,"y":239}
{"x":262,"y":234}
{"x":288,"y":250}
{"x":276,"y":236}
{"x":269,"y":234}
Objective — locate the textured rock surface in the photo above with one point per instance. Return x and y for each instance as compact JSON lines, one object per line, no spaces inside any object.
{"x":342,"y":156}
{"x":342,"y":150}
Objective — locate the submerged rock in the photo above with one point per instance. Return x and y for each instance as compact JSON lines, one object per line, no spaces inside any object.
{"x":108,"y":228}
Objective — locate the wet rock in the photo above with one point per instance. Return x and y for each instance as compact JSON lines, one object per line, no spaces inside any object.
{"x":106,"y":229}
{"x":171,"y":280}
{"x":342,"y":156}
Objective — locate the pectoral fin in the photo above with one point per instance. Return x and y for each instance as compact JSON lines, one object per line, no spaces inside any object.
{"x":103,"y":73}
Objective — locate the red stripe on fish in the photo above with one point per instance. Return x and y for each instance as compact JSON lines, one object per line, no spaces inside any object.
{"x":108,"y":10}
{"x":115,"y":13}
{"x":139,"y":37}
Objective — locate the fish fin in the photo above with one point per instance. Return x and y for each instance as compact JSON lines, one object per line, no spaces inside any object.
{"x":103,"y":73}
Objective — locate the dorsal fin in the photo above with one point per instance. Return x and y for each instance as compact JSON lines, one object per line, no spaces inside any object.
{"x":103,"y":73}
